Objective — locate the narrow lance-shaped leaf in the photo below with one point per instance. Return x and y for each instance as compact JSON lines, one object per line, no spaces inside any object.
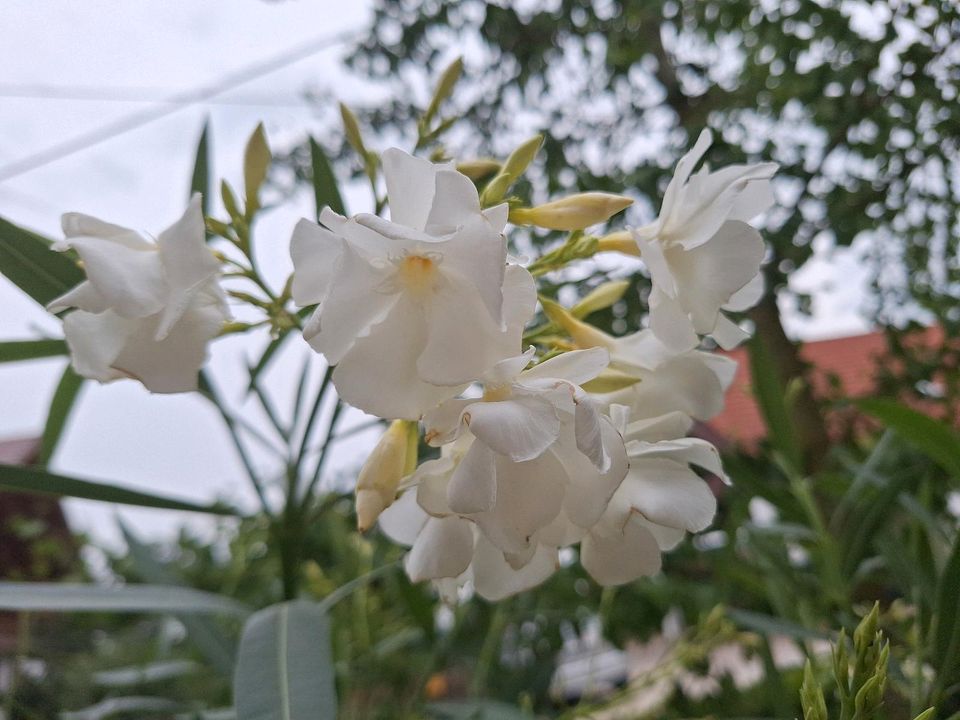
{"x":200,"y":179}
{"x":78,"y":597}
{"x":325,"y":190}
{"x":28,"y":262}
{"x":256,"y":164}
{"x":945,"y":631}
{"x":938,"y":441}
{"x":20,"y":479}
{"x":770,"y":397}
{"x":16,"y":350}
{"x":284,"y":669}
{"x":63,"y":401}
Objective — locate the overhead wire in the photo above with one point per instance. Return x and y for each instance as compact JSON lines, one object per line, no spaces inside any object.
{"x":173,"y":103}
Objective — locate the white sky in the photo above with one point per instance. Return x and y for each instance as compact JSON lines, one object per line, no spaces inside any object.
{"x":118,"y":432}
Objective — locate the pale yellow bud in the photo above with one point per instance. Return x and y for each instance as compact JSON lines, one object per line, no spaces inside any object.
{"x":351,"y":129}
{"x":602,"y":296}
{"x":574,"y":212}
{"x":621,"y":242}
{"x":444,"y":88}
{"x":610,"y":381}
{"x":513,"y":167}
{"x":478,"y":169}
{"x":381,"y":474}
{"x":583,"y":334}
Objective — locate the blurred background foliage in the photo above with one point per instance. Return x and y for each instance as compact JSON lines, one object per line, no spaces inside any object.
{"x":863,"y":119}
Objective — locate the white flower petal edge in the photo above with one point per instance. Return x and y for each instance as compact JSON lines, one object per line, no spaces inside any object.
{"x":147,"y":310}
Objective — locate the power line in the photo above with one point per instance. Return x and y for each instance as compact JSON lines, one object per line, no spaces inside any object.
{"x":133,"y":94}
{"x":174,"y":103}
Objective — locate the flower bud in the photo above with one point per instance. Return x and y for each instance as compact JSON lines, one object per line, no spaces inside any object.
{"x":583,"y":334}
{"x":381,"y":474}
{"x":621,"y":242}
{"x":444,"y":88}
{"x":512,"y":169}
{"x":574,"y":212}
{"x":601,"y":297}
{"x":478,"y":169}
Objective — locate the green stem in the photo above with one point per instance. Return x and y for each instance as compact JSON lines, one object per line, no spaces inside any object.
{"x":488,"y":650}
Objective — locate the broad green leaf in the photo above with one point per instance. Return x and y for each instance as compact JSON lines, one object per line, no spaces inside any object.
{"x":29,"y":263}
{"x":63,"y":401}
{"x":200,"y":179}
{"x":144,"y":674}
{"x":325,"y":190}
{"x":78,"y":597}
{"x":284,"y":669}
{"x":770,"y":625}
{"x":20,"y":479}
{"x":938,"y":441}
{"x":16,"y":350}
{"x":124,"y":706}
{"x":770,"y":396}
{"x":205,"y":633}
{"x":256,"y":164}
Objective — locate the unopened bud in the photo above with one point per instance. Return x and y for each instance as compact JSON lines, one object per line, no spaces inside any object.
{"x":381,"y":474}
{"x":583,"y":334}
{"x":601,"y":297}
{"x":621,"y":242}
{"x":513,"y":167}
{"x":610,"y":381}
{"x":478,"y":169}
{"x":444,"y":88}
{"x":574,"y":212}
{"x":351,"y":129}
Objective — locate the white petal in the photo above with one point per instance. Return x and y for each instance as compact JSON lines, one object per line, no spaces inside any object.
{"x":84,"y":296}
{"x":521,"y":428}
{"x":442,"y":424}
{"x":187,"y":262}
{"x":130,"y":280}
{"x":667,"y":537}
{"x":576,"y":366}
{"x":668,"y":426}
{"x":561,"y":532}
{"x":519,"y":303}
{"x":589,"y":491}
{"x":461,"y":336}
{"x":80,"y":225}
{"x":755,"y":198}
{"x":747,"y":296}
{"x":670,"y":323}
{"x":379,"y":373}
{"x":669,"y":493}
{"x":410,"y":187}
{"x":727,"y":333}
{"x":497,"y":216}
{"x":617,"y":560}
{"x":494,"y":578}
{"x":455,"y":202}
{"x":368,"y":243}
{"x":315,"y":252}
{"x":355,"y":303}
{"x":588,"y":431}
{"x":478,"y":254}
{"x":724,"y":368}
{"x":652,"y":253}
{"x":95,"y":340}
{"x":529,"y":497}
{"x":171,"y":365}
{"x":505,"y":371}
{"x":473,"y":485}
{"x":403,"y":520}
{"x":443,"y":548}
{"x":685,"y":165}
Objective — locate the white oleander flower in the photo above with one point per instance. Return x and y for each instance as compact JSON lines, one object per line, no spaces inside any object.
{"x":541,"y":452}
{"x":659,"y":501}
{"x":147,"y":309}
{"x":412,"y":309}
{"x":702,"y":255}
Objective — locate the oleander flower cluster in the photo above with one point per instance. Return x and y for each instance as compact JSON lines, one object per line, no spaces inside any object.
{"x":550,"y":434}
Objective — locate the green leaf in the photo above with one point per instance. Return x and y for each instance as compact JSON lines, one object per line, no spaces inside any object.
{"x":16,"y":350}
{"x":63,"y":401}
{"x":325,"y":190}
{"x":200,"y":179}
{"x":142,"y":674}
{"x":78,"y":597}
{"x":935,"y":439}
{"x":209,"y":638}
{"x":770,"y":396}
{"x":284,"y":669}
{"x":945,"y":631}
{"x":112,"y":707}
{"x":29,"y":263}
{"x":20,"y":479}
{"x":256,"y":164}
{"x":770,"y":625}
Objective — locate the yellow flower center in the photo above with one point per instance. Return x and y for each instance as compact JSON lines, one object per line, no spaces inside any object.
{"x":417,"y":274}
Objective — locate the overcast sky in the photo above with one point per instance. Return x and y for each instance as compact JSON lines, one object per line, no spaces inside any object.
{"x":158,"y":48}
